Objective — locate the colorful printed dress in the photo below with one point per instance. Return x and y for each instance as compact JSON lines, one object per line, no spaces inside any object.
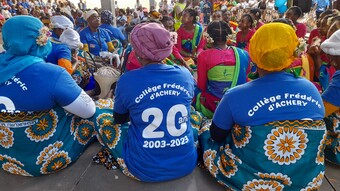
{"x":331,"y":95}
{"x":191,"y":43}
{"x":37,"y":136}
{"x":218,"y":71}
{"x":276,"y":137}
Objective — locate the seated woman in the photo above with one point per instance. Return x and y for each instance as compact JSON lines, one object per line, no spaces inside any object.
{"x":82,"y":70}
{"x":303,"y":65}
{"x":44,"y":125}
{"x":175,"y":57}
{"x":116,"y":35}
{"x":324,"y":71}
{"x":268,"y":138}
{"x":61,"y":53}
{"x":330,"y":97}
{"x":94,"y":38}
{"x":294,"y":13}
{"x":159,"y":143}
{"x":189,"y":40}
{"x":246,"y":31}
{"x":219,"y":68}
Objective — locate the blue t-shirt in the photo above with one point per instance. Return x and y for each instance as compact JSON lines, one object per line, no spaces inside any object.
{"x":114,"y":32}
{"x":39,"y":87}
{"x":274,"y":97}
{"x":96,"y":41}
{"x":332,"y":92}
{"x":59,"y":51}
{"x":160,"y":144}
{"x":322,"y":5}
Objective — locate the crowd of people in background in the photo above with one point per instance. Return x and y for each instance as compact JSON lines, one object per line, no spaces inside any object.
{"x":199,"y":80}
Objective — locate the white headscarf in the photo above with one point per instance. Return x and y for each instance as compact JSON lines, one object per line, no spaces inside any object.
{"x":71,"y":38}
{"x":331,"y":46}
{"x":61,"y":22}
{"x":89,"y":13}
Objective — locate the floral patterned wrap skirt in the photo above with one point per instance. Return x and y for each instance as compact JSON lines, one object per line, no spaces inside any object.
{"x":283,"y":155}
{"x":332,"y":150}
{"x":38,"y":143}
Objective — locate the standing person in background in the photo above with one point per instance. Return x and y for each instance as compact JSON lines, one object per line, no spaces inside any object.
{"x":165,"y":6}
{"x":121,"y":19}
{"x":81,"y":5}
{"x":179,"y":8}
{"x":138,"y":4}
{"x":262,"y":5}
{"x":160,"y":5}
{"x":171,"y":7}
{"x":206,"y":10}
{"x":320,"y":6}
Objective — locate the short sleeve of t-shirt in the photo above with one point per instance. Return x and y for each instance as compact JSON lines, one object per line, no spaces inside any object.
{"x":66,"y":90}
{"x":223,"y":115}
{"x":64,"y":52}
{"x":82,"y":35}
{"x":332,"y":93}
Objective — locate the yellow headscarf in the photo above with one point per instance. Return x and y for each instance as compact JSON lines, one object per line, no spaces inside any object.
{"x":272,"y":46}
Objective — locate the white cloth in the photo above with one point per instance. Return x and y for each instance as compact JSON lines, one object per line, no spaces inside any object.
{"x":61,"y":22}
{"x":83,"y":106}
{"x":89,"y":13}
{"x":71,"y":38}
{"x":331,"y":46}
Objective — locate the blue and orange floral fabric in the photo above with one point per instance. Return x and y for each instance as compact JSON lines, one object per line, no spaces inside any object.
{"x":332,"y":150}
{"x":38,"y":143}
{"x":268,"y":157}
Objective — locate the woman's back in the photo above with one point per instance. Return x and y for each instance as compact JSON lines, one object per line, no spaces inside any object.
{"x":40,"y":87}
{"x":220,"y":70}
{"x":160,"y":142}
{"x":285,"y":97}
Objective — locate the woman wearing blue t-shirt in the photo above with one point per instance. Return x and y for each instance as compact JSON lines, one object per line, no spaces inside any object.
{"x":95,"y":39}
{"x":271,"y":129}
{"x":116,"y":35}
{"x":159,"y":142}
{"x":331,"y":96}
{"x":43,"y":119}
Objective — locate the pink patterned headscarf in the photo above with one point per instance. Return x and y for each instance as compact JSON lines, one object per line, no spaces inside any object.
{"x":151,"y":41}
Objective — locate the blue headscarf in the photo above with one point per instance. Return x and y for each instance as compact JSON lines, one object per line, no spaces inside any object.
{"x":107,"y":16}
{"x":19,"y":35}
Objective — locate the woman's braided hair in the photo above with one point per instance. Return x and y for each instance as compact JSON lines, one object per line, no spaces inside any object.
{"x":218,"y":31}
